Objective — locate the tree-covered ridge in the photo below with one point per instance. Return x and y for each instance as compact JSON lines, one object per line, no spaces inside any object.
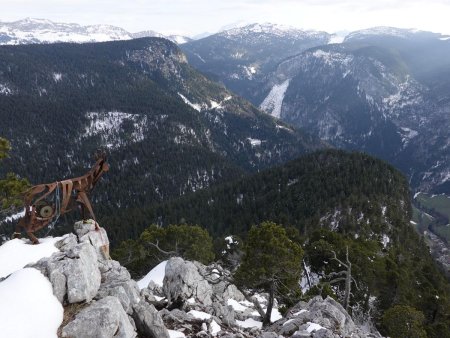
{"x":348,"y":192}
{"x":390,"y":263}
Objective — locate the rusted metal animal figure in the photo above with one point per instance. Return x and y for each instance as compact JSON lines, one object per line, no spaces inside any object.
{"x":44,"y":203}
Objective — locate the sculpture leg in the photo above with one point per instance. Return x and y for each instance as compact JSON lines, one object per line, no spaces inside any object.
{"x":32,"y":237}
{"x":82,"y":197}
{"x":18,"y":230}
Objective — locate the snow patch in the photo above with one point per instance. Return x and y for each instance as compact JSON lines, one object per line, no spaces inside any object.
{"x":249,"y":323}
{"x":17,"y":253}
{"x":109,"y":126}
{"x":176,"y":334}
{"x":57,"y":77}
{"x":195,"y":106}
{"x":273,"y":102}
{"x":156,"y":275}
{"x":314,"y":327}
{"x":214,"y":328}
{"x":199,"y":314}
{"x":236,"y":305}
{"x":254,"y":142}
{"x":5,"y":90}
{"x":28,"y":307}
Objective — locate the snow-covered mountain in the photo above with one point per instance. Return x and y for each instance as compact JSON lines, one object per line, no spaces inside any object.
{"x":241,"y":56}
{"x":32,"y":30}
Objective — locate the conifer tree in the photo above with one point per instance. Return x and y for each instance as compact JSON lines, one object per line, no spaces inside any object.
{"x":271,"y":263}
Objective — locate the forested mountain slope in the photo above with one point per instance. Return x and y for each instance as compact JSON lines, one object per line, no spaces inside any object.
{"x":346,"y":192}
{"x":166,"y":128}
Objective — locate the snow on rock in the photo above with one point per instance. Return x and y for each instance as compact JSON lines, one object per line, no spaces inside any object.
{"x":249,"y":323}
{"x":214,"y":328}
{"x":28,"y":307}
{"x":236,"y":305}
{"x":199,"y":314}
{"x":313,"y":327}
{"x":156,"y":275}
{"x":274,"y":100}
{"x":176,"y":334}
{"x":17,"y":253}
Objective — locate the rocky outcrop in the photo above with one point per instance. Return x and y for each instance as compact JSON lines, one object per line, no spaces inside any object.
{"x":73,"y":272}
{"x":183,"y":281}
{"x":319,"y":318}
{"x":148,"y":321}
{"x":194,"y":300}
{"x":83,"y":272}
{"x":103,"y":319}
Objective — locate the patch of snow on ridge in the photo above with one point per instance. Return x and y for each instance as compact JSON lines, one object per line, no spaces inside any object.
{"x":28,"y":307}
{"x":5,"y":90}
{"x":274,"y":100}
{"x":17,"y":253}
{"x":109,"y":126}
{"x":156,"y":275}
{"x":57,"y":77}
{"x":254,"y":142}
{"x":332,"y":58}
{"x":195,"y":106}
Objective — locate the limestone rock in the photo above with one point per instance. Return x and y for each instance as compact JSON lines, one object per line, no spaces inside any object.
{"x":103,"y":319}
{"x":73,"y":272}
{"x":148,"y":321}
{"x":182,"y":281}
{"x":87,"y":233}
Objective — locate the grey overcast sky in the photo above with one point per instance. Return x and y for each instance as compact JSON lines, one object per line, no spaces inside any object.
{"x":192,"y":17}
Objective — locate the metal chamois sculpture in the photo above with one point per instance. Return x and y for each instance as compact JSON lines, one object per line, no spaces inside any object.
{"x":44,"y":203}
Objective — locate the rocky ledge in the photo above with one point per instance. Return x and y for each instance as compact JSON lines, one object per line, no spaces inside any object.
{"x":101,"y":300}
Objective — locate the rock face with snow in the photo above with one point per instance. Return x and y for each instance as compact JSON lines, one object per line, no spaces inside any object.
{"x":318,"y":318}
{"x":193,"y":301}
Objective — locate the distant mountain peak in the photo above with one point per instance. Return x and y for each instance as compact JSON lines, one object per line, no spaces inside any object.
{"x":266,"y":28}
{"x":383,"y":31}
{"x":33,"y":30}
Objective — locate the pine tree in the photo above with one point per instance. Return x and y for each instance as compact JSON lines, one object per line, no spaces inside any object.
{"x":271,"y":263}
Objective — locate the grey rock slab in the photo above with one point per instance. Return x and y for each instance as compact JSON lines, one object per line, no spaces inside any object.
{"x":148,"y":321}
{"x":102,"y":319}
{"x":182,"y":280}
